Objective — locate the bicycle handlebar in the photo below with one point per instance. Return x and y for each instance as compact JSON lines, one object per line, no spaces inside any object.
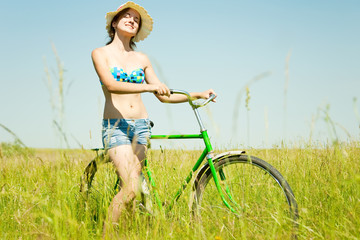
{"x":191,"y":102}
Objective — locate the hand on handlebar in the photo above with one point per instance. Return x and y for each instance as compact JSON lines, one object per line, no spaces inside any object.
{"x":161,"y":89}
{"x":206,"y":94}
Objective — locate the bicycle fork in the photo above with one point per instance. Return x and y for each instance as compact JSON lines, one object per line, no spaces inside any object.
{"x":209,"y":158}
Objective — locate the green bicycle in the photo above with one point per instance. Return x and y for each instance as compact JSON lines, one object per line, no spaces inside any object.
{"x":227,"y":184}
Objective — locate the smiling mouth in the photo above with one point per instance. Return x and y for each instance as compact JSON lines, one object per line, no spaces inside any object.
{"x":130,"y":26}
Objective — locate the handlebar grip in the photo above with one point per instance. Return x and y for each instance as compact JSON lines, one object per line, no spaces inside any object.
{"x":171,"y":92}
{"x":212,"y":96}
{"x":191,"y":102}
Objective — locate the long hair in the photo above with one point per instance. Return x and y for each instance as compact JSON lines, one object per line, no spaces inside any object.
{"x":132,"y":44}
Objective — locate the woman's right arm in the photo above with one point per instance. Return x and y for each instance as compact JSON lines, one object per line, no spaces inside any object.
{"x":103,"y":71}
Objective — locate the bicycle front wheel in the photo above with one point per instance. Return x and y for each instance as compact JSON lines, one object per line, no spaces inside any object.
{"x":261,"y":201}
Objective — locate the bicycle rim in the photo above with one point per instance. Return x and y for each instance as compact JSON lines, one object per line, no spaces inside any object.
{"x":263,"y":200}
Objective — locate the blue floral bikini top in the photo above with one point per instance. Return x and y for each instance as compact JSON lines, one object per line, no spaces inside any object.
{"x":136,"y":76}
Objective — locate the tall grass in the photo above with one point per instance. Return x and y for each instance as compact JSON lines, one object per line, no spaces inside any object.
{"x":244,"y":90}
{"x":40,"y":199}
{"x":55,"y":83}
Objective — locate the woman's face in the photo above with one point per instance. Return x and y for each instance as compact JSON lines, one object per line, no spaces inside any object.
{"x":128,"y":24}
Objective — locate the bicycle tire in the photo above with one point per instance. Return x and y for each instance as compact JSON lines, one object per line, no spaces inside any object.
{"x":89,"y":172}
{"x":259,"y":193}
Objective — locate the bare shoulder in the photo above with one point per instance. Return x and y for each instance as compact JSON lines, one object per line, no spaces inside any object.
{"x":143,"y":58}
{"x":98,"y":52}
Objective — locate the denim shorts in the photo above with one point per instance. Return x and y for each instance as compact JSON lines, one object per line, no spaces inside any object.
{"x":117,"y":132}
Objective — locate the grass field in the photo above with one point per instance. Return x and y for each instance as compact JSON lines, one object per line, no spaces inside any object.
{"x":40,"y":199}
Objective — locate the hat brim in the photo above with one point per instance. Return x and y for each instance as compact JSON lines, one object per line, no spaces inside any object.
{"x":146,"y":20}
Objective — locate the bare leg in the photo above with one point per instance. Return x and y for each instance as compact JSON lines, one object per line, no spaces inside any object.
{"x":128,"y":161}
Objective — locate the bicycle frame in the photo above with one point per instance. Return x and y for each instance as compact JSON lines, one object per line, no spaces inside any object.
{"x":207,"y":153}
{"x":202,"y":176}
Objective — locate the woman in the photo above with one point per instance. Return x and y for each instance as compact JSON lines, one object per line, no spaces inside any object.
{"x":126,"y":127}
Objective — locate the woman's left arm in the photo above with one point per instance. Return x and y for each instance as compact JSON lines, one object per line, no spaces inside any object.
{"x":151,"y":78}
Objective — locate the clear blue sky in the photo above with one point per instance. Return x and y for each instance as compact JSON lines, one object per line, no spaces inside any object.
{"x":195,"y":45}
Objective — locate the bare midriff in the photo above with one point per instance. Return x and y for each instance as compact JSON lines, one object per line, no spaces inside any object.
{"x":127,"y":106}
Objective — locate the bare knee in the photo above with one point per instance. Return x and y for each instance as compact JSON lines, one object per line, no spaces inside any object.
{"x":129,"y":196}
{"x":125,"y":196}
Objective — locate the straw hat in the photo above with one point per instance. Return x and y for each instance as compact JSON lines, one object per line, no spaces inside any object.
{"x":146,"y":20}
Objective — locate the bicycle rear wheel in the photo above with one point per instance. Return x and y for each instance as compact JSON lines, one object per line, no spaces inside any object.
{"x":260,"y":196}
